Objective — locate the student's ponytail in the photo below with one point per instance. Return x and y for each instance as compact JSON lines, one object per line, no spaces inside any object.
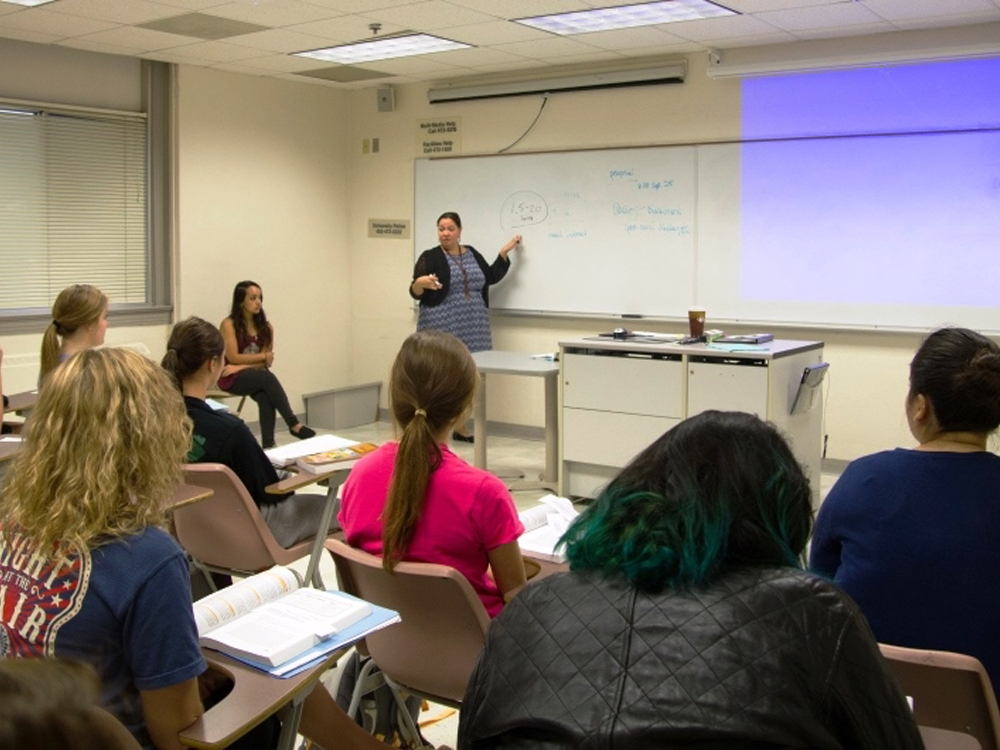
{"x":430,"y":388}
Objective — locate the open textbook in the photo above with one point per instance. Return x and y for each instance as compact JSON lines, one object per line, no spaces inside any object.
{"x":268,"y":619}
{"x":544,"y":524}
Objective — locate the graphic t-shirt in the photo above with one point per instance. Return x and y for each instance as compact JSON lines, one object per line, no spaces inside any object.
{"x":124,"y":607}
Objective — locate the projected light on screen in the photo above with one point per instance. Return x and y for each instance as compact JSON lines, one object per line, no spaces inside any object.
{"x":909,"y":220}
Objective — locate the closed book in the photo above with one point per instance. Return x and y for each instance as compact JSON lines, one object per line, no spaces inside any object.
{"x":318,"y":463}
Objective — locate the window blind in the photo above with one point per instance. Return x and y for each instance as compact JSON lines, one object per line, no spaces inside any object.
{"x":72,"y":205}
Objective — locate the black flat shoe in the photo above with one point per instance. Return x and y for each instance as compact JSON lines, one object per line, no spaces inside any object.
{"x":462,"y":438}
{"x":304,"y":432}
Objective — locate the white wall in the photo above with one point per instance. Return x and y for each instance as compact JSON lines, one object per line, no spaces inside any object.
{"x":264,"y":192}
{"x":868,"y":370}
{"x":273,"y":186}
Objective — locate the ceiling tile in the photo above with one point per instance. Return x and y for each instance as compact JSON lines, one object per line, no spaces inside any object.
{"x":190,"y":5}
{"x":217,"y":51}
{"x":495,"y":32}
{"x":958,"y":19}
{"x":52,"y":24}
{"x":281,"y":40}
{"x":519,"y":8}
{"x":117,"y":11}
{"x":22,"y":35}
{"x":133,"y":36}
{"x":344,"y":29}
{"x":763,"y":6}
{"x":623,"y":39}
{"x":431,"y":15}
{"x":279,"y":63}
{"x":829,"y":16}
{"x":343,"y":73}
{"x":908,"y":10}
{"x":543,"y":49}
{"x":726,"y":27}
{"x":202,"y":26}
{"x":274,"y":13}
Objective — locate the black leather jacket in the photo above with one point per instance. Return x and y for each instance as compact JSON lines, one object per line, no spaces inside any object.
{"x":764,"y":658}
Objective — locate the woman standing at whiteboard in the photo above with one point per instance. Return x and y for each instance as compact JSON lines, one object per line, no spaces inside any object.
{"x":452,"y":283}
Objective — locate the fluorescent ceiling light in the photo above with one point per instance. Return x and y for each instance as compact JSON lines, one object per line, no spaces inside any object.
{"x":626,"y":16}
{"x":29,"y":3}
{"x":384,"y":49}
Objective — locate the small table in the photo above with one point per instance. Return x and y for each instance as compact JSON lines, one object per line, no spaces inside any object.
{"x":255,"y":696}
{"x":188,"y":494}
{"x":20,"y":402}
{"x":519,"y":363}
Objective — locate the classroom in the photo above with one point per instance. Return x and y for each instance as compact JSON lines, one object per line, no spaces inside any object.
{"x":288,"y":181}
{"x":270,"y":169}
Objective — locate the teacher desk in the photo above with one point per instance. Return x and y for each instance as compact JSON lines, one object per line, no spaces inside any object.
{"x":618,"y":396}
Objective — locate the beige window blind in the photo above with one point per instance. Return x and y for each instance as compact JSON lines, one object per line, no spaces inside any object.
{"x":73,"y":192}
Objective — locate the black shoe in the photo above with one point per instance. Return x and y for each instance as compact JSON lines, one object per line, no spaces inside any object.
{"x":462,"y":438}
{"x":304,"y":432}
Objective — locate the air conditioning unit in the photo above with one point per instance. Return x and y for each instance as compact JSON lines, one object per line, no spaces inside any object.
{"x":551,"y":80}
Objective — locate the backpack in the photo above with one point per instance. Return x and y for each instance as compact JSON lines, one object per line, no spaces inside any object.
{"x":378,"y":711}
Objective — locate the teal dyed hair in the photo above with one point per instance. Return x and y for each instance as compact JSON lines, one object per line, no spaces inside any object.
{"x":720,"y":490}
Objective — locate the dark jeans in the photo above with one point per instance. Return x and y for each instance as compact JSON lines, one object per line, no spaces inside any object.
{"x":263,"y":387}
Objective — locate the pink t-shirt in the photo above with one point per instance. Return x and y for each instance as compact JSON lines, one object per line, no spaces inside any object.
{"x":467,"y":512}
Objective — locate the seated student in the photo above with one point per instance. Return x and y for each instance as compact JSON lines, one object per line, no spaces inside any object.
{"x":79,"y":322}
{"x":90,"y":572}
{"x":52,"y":704}
{"x":249,"y":341}
{"x":685,"y":619}
{"x":913,"y":535}
{"x":195,"y":359}
{"x":415,"y":499}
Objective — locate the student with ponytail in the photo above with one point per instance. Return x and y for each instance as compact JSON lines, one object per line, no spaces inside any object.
{"x":195,"y":359}
{"x":79,"y":321}
{"x":414,"y":499}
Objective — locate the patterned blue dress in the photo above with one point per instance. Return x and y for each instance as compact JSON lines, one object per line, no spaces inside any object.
{"x":462,"y":312}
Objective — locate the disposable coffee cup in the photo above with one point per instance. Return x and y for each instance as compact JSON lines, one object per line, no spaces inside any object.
{"x":696,"y":321}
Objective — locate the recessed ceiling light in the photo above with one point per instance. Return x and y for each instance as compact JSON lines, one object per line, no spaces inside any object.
{"x":626,"y":16}
{"x":384,"y":49}
{"x":28,"y":3}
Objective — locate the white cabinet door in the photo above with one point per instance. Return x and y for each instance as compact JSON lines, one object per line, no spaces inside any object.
{"x":609,"y":438}
{"x":727,"y":386}
{"x":631,"y":385}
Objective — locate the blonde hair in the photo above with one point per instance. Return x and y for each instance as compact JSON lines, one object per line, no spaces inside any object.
{"x":102,"y":452}
{"x":432,"y":384}
{"x":76,"y":306}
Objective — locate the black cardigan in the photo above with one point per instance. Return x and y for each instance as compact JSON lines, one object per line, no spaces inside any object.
{"x":433,"y":261}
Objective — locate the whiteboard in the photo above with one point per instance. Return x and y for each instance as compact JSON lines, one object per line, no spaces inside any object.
{"x":890,"y":231}
{"x":608,"y":232}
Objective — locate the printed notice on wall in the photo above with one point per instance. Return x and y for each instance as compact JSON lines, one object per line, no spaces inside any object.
{"x":389,"y":229}
{"x":441,"y":137}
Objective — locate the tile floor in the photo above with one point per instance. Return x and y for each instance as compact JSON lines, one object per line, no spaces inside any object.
{"x":507,"y":456}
